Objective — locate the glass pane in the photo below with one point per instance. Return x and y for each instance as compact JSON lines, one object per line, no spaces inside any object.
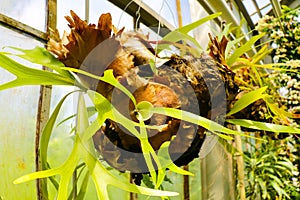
{"x":30,"y":12}
{"x":249,"y":6}
{"x":18,"y":109}
{"x":262,"y":3}
{"x":119,"y":17}
{"x":201,"y":33}
{"x":266,"y":10}
{"x":61,"y":142}
{"x":255,"y":18}
{"x":195,"y":181}
{"x":153,"y":36}
{"x":186,"y":13}
{"x":166,"y":9}
{"x":63,"y":9}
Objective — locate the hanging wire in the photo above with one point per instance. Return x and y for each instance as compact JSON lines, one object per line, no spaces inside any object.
{"x":158,"y":29}
{"x":165,"y":3}
{"x":171,"y":11}
{"x":138,"y":15}
{"x":123,"y":11}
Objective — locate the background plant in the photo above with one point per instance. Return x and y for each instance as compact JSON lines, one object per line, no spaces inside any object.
{"x":271,"y":165}
{"x":284,"y":33}
{"x":279,"y":150}
{"x":270,"y":171}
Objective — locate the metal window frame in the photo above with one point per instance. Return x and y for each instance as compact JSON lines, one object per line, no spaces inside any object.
{"x":22,"y":28}
{"x":43,"y":107}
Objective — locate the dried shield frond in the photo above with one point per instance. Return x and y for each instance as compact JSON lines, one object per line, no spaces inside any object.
{"x":85,"y":38}
{"x":92,"y":48}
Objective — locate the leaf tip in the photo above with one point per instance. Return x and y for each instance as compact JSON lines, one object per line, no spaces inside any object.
{"x":18,"y":181}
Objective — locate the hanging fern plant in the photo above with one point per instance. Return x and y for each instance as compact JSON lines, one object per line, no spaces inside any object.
{"x":152,"y":112}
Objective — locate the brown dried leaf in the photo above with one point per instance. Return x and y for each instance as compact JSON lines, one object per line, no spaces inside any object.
{"x":217,"y":49}
{"x":73,"y":48}
{"x":105,"y":23}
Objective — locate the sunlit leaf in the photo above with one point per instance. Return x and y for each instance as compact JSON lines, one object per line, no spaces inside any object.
{"x":201,"y":121}
{"x":107,"y":111}
{"x":181,"y":34}
{"x":246,"y":100}
{"x":176,"y":36}
{"x":263,"y":126}
{"x":47,"y":131}
{"x":230,"y":45}
{"x":166,"y":161}
{"x":39,"y":55}
{"x":280,"y":112}
{"x":108,"y":77}
{"x":243,"y":49}
{"x":263,"y":186}
{"x":189,"y":27}
{"x":84,"y":151}
{"x":91,"y":111}
{"x":261,"y":54}
{"x":29,"y":76}
{"x":143,"y":109}
{"x":83,"y":187}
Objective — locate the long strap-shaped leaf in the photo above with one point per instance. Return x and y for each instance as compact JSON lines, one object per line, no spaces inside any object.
{"x":264,"y":126}
{"x":243,"y":49}
{"x":247,"y":99}
{"x":181,"y":34}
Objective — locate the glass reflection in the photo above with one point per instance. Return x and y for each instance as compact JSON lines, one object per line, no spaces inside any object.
{"x":30,"y":12}
{"x":18,"y":109}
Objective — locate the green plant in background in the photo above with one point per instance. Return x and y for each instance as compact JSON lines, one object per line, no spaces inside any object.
{"x":83,"y":159}
{"x":270,"y":171}
{"x":284,"y":33}
{"x":270,"y":165}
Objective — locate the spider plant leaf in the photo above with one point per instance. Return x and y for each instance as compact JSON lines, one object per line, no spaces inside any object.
{"x":231,"y":44}
{"x":91,"y":112}
{"x":83,"y":187}
{"x":264,"y":126}
{"x":181,"y":34}
{"x":263,"y":187}
{"x":279,"y":111}
{"x":287,"y":164}
{"x":186,"y":29}
{"x":261,"y":54}
{"x":243,"y":49}
{"x":175,"y":36}
{"x":246,"y":100}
